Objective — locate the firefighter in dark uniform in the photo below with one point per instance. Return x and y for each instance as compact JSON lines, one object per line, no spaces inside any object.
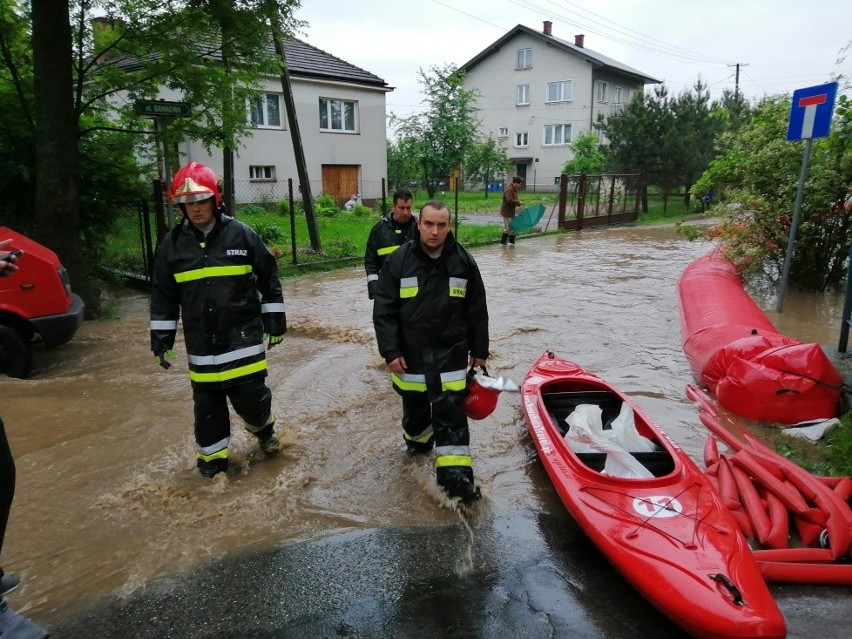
{"x":217,"y":275}
{"x":431,"y":323}
{"x":387,"y":235}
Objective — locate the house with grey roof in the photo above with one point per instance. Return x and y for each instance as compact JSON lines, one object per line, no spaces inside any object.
{"x":537,"y":93}
{"x":341,"y":113}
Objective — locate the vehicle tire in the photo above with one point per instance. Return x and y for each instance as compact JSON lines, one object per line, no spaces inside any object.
{"x":16,"y":357}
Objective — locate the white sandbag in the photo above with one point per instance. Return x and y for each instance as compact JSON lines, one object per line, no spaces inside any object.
{"x":624,"y":428}
{"x":812,"y":431}
{"x":584,"y":428}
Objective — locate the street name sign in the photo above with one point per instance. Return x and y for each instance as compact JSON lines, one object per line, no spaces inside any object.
{"x":161,"y":108}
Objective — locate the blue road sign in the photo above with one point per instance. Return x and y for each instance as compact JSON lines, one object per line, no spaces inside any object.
{"x":810,"y":113}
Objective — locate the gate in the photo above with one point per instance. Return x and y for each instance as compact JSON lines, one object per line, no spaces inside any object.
{"x":129,"y":247}
{"x":587,"y":201}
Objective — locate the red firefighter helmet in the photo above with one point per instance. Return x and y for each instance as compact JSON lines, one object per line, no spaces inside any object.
{"x":195,"y":182}
{"x":480,"y":401}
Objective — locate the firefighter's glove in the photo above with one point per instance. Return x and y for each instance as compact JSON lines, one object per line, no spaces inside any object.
{"x":274,"y":340}
{"x":161,"y":358}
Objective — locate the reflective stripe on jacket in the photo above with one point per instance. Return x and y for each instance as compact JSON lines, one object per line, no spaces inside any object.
{"x":225,"y":287}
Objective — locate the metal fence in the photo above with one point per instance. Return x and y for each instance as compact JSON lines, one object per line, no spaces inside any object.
{"x":580,"y":201}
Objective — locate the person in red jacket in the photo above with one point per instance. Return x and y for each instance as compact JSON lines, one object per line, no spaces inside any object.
{"x":215,"y":273}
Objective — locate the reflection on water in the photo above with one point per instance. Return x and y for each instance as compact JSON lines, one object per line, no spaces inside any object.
{"x":107,"y":493}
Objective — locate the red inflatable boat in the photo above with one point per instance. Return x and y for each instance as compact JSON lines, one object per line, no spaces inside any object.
{"x":736,"y":353}
{"x":668,"y":533}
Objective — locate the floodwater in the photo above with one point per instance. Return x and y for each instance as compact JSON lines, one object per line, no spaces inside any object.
{"x":108,"y":499}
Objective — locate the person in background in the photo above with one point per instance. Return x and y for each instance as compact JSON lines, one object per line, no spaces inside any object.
{"x":507,"y":208}
{"x":351,"y":203}
{"x":217,"y":275}
{"x":12,"y":625}
{"x":387,"y":235}
{"x":431,"y":323}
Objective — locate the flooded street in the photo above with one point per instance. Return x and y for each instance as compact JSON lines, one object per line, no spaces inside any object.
{"x":108,"y":498}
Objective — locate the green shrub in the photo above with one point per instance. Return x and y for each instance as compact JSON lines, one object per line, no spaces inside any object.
{"x":269,"y":232}
{"x":250,"y":209}
{"x":326,"y":206}
{"x":362,"y":211}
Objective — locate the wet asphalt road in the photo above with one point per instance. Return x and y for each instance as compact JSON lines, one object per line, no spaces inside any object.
{"x":526,"y":576}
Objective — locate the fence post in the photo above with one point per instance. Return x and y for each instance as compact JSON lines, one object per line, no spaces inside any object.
{"x":384,"y":198}
{"x":611,"y":199}
{"x":581,"y":199}
{"x":563,"y":197}
{"x":292,"y":217}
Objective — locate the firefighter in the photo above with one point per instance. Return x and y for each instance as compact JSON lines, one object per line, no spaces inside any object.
{"x":215,"y":273}
{"x":431,"y":324}
{"x":387,"y":235}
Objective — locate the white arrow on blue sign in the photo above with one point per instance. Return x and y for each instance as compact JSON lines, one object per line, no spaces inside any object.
{"x":810,"y":113}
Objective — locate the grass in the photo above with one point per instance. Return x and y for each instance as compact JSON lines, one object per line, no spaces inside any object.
{"x":830,"y":456}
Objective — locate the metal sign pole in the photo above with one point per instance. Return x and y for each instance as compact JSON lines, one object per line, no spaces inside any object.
{"x":794,"y":225}
{"x":161,"y":129}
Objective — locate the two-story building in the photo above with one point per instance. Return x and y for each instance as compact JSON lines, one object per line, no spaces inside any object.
{"x":537,"y":93}
{"x":342,"y":125}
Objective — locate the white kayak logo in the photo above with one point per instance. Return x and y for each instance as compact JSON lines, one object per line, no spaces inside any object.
{"x":657,"y":506}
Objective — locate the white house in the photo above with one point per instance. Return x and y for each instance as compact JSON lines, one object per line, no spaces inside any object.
{"x":537,"y":93}
{"x":341,"y":114}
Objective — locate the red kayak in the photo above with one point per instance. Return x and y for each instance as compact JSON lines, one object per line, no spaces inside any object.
{"x":668,"y":532}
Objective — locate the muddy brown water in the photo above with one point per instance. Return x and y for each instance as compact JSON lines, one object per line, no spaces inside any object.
{"x":107,"y":495}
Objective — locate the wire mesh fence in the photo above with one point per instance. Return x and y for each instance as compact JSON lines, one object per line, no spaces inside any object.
{"x":336,"y":234}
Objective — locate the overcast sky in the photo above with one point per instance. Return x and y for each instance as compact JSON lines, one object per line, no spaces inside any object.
{"x":781,"y":45}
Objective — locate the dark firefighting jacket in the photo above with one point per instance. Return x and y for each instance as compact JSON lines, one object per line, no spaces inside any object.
{"x":225,"y":289}
{"x":385,"y":237}
{"x":432,"y":311}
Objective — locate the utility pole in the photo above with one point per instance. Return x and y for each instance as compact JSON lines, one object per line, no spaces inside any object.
{"x":737,"y":78}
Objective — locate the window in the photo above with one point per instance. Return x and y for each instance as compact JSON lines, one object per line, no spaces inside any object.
{"x":503,"y":132}
{"x":338,"y":115}
{"x":265,"y":111}
{"x":523,"y":94}
{"x":266,"y":173}
{"x":618,"y":95}
{"x":602,"y":89}
{"x":562,"y":91}
{"x":555,"y":134}
{"x":522,"y":139}
{"x":524,"y":59}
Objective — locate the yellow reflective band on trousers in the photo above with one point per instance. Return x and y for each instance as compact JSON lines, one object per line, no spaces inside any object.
{"x":232,"y":373}
{"x":409,"y":382}
{"x":453,"y":460}
{"x":221,"y":454}
{"x":387,"y":250}
{"x":212,"y":271}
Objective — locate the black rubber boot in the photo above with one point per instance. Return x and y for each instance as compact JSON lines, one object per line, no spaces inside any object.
{"x":504,"y":238}
{"x":213,"y":467}
{"x":511,"y":239}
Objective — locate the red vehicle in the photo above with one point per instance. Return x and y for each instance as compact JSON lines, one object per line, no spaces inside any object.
{"x":36,"y":305}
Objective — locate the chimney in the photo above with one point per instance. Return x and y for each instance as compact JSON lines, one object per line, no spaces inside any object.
{"x":578,"y":40}
{"x":548,"y":25}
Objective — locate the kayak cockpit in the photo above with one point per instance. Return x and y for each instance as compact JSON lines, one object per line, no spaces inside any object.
{"x":560,"y":404}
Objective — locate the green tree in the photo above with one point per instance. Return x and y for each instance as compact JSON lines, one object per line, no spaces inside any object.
{"x":757,"y":178}
{"x":589,"y":157}
{"x":485,"y":161}
{"x":78,"y":83}
{"x":441,"y":136}
{"x":402,"y":165}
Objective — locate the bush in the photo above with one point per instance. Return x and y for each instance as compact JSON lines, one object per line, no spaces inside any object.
{"x":362,"y":211}
{"x":269,"y":233}
{"x":250,"y":209}
{"x":326,"y":206}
